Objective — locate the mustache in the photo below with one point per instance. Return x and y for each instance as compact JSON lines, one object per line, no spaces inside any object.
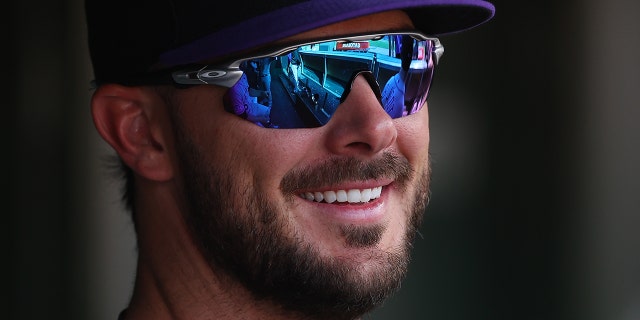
{"x":339,"y":169}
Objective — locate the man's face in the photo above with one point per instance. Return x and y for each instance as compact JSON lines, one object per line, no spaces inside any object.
{"x":252,"y":195}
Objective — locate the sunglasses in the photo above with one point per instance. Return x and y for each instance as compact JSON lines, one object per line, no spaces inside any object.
{"x":301,"y":86}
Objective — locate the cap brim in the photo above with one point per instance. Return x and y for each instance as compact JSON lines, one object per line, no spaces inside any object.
{"x":433,"y":17}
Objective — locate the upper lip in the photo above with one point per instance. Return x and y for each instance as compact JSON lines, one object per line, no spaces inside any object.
{"x":351,"y":185}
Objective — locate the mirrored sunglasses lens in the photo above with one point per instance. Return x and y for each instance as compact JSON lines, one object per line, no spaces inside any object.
{"x":303,"y":88}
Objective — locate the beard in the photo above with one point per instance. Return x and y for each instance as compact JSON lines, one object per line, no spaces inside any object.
{"x":245,"y":235}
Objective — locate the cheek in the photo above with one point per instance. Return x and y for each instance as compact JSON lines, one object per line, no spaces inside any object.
{"x":413,"y":137}
{"x":278,"y":151}
{"x":256,"y":155}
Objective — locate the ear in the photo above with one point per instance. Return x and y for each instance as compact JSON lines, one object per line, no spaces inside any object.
{"x":123,"y":117}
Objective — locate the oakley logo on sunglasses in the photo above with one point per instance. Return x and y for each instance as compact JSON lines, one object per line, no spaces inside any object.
{"x":301,"y":86}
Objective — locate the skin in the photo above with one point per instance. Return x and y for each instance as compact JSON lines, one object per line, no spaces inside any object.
{"x":176,"y":278}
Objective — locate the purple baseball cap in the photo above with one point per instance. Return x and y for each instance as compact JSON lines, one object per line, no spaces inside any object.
{"x":130,"y":37}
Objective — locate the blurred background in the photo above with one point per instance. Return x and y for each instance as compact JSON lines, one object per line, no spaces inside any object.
{"x":535,"y":212}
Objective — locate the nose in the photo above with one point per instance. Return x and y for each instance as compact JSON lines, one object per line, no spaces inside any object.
{"x":360,"y":126}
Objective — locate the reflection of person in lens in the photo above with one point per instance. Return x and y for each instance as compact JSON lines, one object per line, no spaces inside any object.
{"x":242,"y":100}
{"x":294,"y":68}
{"x":259,"y":76}
{"x":393,"y":94}
{"x":264,"y":78}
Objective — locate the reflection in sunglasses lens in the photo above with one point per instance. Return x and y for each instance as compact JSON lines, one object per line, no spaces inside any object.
{"x":303,"y":88}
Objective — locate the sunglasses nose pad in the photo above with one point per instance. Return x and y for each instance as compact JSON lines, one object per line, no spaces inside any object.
{"x":371,"y":80}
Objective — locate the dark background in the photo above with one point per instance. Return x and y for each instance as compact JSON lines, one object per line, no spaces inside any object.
{"x":535,"y":209}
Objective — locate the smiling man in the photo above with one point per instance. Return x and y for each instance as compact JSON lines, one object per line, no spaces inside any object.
{"x":309,"y":214}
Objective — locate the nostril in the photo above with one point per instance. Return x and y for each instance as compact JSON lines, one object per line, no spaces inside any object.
{"x":360,"y":146}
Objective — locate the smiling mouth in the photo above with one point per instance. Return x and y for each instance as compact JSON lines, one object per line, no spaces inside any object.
{"x":344,"y":196}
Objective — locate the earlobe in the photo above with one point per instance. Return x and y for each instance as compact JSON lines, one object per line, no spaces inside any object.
{"x":122,"y":115}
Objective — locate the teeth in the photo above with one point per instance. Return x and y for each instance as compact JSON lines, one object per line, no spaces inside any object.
{"x":329,"y":197}
{"x":341,"y":196}
{"x":353,"y":196}
{"x":365,"y":194}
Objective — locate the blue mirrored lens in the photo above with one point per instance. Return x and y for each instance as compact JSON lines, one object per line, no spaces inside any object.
{"x":303,"y":88}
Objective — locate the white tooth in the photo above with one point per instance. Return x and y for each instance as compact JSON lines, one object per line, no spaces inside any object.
{"x":353,"y":196}
{"x":329,"y":196}
{"x":365,"y":194}
{"x":375,"y":192}
{"x":318,"y":196}
{"x":341,"y":196}
{"x":308,"y":196}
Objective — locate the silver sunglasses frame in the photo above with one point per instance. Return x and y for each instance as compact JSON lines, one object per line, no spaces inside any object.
{"x":228,"y":75}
